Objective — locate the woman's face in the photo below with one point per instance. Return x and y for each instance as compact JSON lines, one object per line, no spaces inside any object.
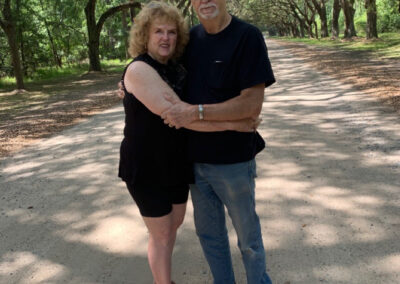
{"x":162,"y":40}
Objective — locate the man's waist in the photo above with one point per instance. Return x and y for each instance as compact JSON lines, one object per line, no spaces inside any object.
{"x":223,"y":147}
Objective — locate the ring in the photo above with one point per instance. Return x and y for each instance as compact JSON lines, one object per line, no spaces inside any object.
{"x":170,"y":125}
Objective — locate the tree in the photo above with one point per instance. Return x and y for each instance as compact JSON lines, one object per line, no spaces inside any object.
{"x":183,"y":5}
{"x":94,"y":29}
{"x":56,"y":57}
{"x":348,"y":11}
{"x":8,"y":25}
{"x":307,"y":12}
{"x":372,"y":31}
{"x":321,"y":9}
{"x":335,"y":18}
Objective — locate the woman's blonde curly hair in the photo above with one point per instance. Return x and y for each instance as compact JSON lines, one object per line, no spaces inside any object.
{"x":156,"y":10}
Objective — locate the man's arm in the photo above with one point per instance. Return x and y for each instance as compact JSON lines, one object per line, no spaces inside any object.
{"x":149,"y":88}
{"x":247,"y":105}
{"x":243,"y":125}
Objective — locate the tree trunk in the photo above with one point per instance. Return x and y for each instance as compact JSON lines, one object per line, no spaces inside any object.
{"x":56,"y":57}
{"x":94,"y":36}
{"x":316,"y":29}
{"x":348,"y":10}
{"x":132,"y":14}
{"x":20,"y":40}
{"x":321,"y":9}
{"x":295,"y":10}
{"x":125,"y":30}
{"x":295,"y":30}
{"x":324,"y":21}
{"x":309,"y":15}
{"x":8,"y":25}
{"x":302,"y":28}
{"x":94,"y":29}
{"x":309,"y":30}
{"x":372,"y":31}
{"x":335,"y":18}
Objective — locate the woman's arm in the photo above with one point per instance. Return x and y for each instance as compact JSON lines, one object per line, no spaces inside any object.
{"x":148,"y":87}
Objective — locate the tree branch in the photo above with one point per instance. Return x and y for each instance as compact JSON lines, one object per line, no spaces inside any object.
{"x":114,"y":10}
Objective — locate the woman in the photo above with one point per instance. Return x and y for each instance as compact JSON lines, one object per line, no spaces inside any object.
{"x":153,"y":163}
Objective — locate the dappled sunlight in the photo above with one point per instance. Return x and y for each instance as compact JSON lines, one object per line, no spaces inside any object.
{"x":338,"y":203}
{"x":327,"y":195}
{"x":104,"y":234}
{"x":387,"y":264}
{"x":30,"y":268}
{"x":283,"y":185}
{"x":282,"y":168}
{"x":65,"y":192}
{"x":29,"y":166}
{"x":328,"y":181}
{"x":83,"y":82}
{"x":320,"y":235}
{"x":335,"y":273}
{"x":368,"y":230}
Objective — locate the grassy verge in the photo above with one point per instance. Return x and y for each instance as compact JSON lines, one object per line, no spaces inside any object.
{"x":51,"y":74}
{"x":386,"y":46}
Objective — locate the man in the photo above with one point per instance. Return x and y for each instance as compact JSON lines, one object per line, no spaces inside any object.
{"x":228,"y":70}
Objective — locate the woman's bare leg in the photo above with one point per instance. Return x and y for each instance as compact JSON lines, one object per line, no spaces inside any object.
{"x":162,"y":236}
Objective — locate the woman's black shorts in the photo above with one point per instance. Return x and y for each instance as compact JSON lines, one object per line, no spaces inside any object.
{"x":156,"y":201}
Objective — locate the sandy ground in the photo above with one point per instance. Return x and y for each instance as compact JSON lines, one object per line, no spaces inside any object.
{"x":327,"y":195}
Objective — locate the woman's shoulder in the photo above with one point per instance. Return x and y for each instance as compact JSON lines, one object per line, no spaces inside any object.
{"x":139,"y":69}
{"x":142,"y":57}
{"x":147,"y":59}
{"x":136,"y":72}
{"x":136,"y":63}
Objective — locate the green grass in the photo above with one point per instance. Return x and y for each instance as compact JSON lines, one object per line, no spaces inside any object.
{"x":386,"y":46}
{"x":51,"y":74}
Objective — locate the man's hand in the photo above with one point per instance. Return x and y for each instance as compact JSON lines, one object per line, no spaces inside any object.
{"x":120,"y":91}
{"x":179,"y":114}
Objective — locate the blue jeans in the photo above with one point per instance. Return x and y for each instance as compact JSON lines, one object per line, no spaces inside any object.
{"x":230,"y":185}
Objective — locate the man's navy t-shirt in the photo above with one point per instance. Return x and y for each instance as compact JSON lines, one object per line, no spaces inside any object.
{"x":220,"y":66}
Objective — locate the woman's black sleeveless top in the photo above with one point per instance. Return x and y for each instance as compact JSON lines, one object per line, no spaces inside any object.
{"x":151,"y":152}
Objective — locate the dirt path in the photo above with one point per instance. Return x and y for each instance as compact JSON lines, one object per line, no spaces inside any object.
{"x":327,"y":195}
{"x":367,"y":71}
{"x":48,"y":108}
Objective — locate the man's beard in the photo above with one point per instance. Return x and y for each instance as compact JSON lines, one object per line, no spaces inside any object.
{"x":208,"y":16}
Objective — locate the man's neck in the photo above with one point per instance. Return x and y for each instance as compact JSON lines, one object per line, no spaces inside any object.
{"x":217,"y":24}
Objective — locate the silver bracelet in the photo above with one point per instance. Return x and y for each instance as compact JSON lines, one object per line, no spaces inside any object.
{"x":201,"y":112}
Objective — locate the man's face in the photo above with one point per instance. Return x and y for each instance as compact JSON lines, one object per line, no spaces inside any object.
{"x":209,"y":9}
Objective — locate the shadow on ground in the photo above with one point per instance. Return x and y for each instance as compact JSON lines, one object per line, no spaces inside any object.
{"x":49,"y":108}
{"x":328,"y":187}
{"x":327,"y":195}
{"x":66,"y":218}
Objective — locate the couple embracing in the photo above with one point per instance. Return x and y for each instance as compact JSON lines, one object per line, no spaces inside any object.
{"x":192,"y":101}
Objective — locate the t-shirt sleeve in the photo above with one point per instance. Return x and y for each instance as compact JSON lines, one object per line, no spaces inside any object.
{"x":255,"y":67}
